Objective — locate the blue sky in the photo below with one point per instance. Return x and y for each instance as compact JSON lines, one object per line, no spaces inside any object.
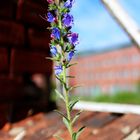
{"x":96,"y":28}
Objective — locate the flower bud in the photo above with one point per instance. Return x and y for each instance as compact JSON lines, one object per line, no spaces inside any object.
{"x":50,"y":1}
{"x":57,"y":2}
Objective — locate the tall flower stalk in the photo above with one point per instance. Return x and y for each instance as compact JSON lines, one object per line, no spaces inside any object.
{"x":62,"y":47}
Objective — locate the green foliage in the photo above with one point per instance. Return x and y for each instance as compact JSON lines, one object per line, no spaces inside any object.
{"x":73,"y":87}
{"x":59,"y":95}
{"x":62,"y":49}
{"x":52,"y":7}
{"x":67,"y":123}
{"x":77,"y":134}
{"x":53,"y":59}
{"x":71,"y":65}
{"x":58,"y":137}
{"x":61,"y":114}
{"x":76,"y":117}
{"x":72,"y":103}
{"x":120,"y":97}
{"x":64,"y":10}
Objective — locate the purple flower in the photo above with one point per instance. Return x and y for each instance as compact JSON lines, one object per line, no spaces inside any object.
{"x":55,"y":33}
{"x":58,"y":70}
{"x":70,"y":55}
{"x":73,"y":38}
{"x":67,"y":20}
{"x":69,"y":3}
{"x":50,"y":17}
{"x":53,"y":50}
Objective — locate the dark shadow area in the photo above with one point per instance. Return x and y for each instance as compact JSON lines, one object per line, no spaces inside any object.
{"x":24,"y":44}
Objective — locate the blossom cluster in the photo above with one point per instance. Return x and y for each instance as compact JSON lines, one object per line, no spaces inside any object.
{"x":63,"y":41}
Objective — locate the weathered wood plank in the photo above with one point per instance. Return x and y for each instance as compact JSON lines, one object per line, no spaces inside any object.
{"x":100,"y":120}
{"x":117,"y":129}
{"x":54,"y":125}
{"x":92,"y":123}
{"x":134,"y":135}
{"x":100,"y":126}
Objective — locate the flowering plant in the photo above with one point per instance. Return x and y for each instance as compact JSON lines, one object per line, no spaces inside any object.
{"x":62,"y":48}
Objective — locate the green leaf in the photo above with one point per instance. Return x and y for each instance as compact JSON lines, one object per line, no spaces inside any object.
{"x":72,"y":103}
{"x":79,"y":132}
{"x":52,"y":7}
{"x":67,"y":123}
{"x":68,"y":46}
{"x":71,"y":65}
{"x":60,"y":95}
{"x":70,"y":76}
{"x":60,"y":78}
{"x":74,"y":136}
{"x":50,"y":58}
{"x":64,"y":10}
{"x":57,"y":58}
{"x":53,"y":24}
{"x":57,"y":137}
{"x":61,"y":114}
{"x":73,"y":87}
{"x":76,"y":117}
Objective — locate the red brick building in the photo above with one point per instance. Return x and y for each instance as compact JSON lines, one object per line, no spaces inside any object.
{"x":108,"y":71}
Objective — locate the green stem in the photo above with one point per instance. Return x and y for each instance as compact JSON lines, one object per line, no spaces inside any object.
{"x":67,"y":102}
{"x":65,"y":91}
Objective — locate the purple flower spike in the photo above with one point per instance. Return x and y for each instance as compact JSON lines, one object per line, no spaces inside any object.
{"x":68,"y":20}
{"x":50,"y":17}
{"x":69,"y":3}
{"x":70,"y":55}
{"x":73,"y":38}
{"x":58,"y":70}
{"x":53,"y":50}
{"x":55,"y":33}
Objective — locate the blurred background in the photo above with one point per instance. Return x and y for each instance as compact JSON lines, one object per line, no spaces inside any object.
{"x":25,"y":73}
{"x":108,"y":62}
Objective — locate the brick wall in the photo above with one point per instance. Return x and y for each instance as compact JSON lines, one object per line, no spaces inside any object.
{"x":24,"y":44}
{"x":107,"y":72}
